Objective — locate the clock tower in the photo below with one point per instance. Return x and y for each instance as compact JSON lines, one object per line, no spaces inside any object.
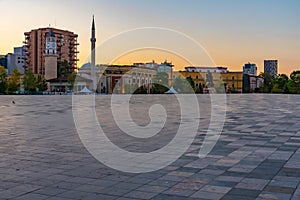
{"x":50,"y":43}
{"x":50,"y":56}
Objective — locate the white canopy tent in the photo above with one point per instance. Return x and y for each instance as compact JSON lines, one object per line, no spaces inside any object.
{"x":171,"y":91}
{"x":85,"y":91}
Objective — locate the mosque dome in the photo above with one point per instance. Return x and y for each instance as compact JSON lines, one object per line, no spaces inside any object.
{"x":86,"y":66}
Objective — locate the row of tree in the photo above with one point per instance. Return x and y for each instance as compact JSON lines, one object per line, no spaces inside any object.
{"x":12,"y":85}
{"x":281,"y":84}
{"x":161,"y":85}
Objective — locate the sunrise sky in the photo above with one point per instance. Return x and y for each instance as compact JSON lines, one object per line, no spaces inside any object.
{"x":233,"y":32}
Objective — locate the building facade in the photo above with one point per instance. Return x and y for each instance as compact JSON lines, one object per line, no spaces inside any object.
{"x":3,"y":61}
{"x":271,"y":67}
{"x":116,"y":78}
{"x":206,"y":69}
{"x":35,"y":42}
{"x":231,"y":81}
{"x":165,"y":67}
{"x":252,"y":83}
{"x":250,"y":69}
{"x":16,"y":60}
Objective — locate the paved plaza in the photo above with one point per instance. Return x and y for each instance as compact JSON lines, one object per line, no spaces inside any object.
{"x":256,"y":157}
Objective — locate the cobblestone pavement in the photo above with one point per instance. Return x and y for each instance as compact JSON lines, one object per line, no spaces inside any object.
{"x":256,"y":157}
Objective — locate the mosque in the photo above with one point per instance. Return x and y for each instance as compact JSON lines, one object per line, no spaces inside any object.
{"x":115,"y":78}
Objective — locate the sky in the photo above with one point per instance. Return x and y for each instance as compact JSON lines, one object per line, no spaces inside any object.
{"x":231,"y":32}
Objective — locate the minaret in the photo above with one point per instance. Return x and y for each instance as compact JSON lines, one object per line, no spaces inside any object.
{"x":93,"y":54}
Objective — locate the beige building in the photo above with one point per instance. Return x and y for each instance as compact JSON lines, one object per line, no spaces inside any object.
{"x":232,"y":81}
{"x":35,"y":41}
{"x":116,"y":78}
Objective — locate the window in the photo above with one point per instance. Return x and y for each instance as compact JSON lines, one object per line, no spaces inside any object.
{"x":233,"y":78}
{"x":197,"y":77}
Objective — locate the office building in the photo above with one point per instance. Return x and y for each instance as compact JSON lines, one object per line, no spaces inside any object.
{"x":250,"y":69}
{"x":271,"y":67}
{"x":3,"y":61}
{"x":16,"y":60}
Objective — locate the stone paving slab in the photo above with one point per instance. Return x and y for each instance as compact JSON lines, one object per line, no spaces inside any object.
{"x":256,"y":157}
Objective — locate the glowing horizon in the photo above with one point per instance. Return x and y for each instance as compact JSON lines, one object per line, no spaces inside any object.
{"x":231,"y":36}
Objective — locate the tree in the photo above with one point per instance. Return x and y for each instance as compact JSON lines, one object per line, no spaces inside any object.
{"x":267,"y":86}
{"x":14,"y":82}
{"x":209,"y":80}
{"x":41,"y":83}
{"x":141,"y":90}
{"x":280,"y":84}
{"x":3,"y":80}
{"x":179,"y":84}
{"x":189,"y":86}
{"x":293,"y":84}
{"x":130,"y":88}
{"x":158,"y":89}
{"x":191,"y":82}
{"x":64,"y":69}
{"x":199,"y":89}
{"x":220,"y":87}
{"x":293,"y":87}
{"x":161,"y":78}
{"x":233,"y":90}
{"x":71,"y":80}
{"x":29,"y":82}
{"x":186,"y":85}
{"x":295,"y":76}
